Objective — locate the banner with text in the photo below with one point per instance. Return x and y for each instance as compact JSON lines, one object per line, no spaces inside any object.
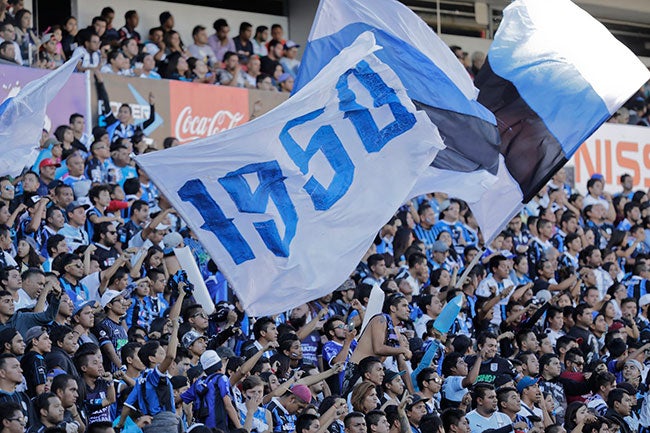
{"x":612,"y":151}
{"x":202,"y":110}
{"x":135,"y":92}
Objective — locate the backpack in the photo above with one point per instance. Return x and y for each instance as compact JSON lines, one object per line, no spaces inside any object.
{"x":202,"y":406}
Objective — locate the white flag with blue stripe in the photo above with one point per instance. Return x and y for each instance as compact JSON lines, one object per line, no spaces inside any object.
{"x":435,"y":81}
{"x":288,"y":203}
{"x":553,"y":75}
{"x":22,"y":118}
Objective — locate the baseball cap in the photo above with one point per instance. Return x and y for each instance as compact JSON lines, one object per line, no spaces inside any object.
{"x":439,"y":247}
{"x":644,"y":300}
{"x":415,"y":399}
{"x":389,"y":375}
{"x":172,"y":240}
{"x":209,"y":359}
{"x":76,"y":204}
{"x":190,"y":337}
{"x":81,"y":306}
{"x":51,"y":142}
{"x":49,"y":162}
{"x":56,"y":372}
{"x":291,"y":44}
{"x":525,"y":382}
{"x":302,"y":392}
{"x":34,"y":332}
{"x":179,"y":381}
{"x":109,"y":296}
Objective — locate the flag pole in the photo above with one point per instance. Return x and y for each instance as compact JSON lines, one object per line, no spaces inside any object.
{"x":438,"y":24}
{"x":463,"y":277}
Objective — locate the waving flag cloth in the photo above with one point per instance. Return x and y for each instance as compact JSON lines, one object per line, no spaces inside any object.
{"x":434,"y":79}
{"x":22,"y":118}
{"x":287,"y":204}
{"x":553,"y":75}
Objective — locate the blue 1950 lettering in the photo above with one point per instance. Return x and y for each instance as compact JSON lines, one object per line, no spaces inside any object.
{"x":271,"y":179}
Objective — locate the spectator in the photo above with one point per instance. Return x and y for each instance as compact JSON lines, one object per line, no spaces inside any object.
{"x":156,"y":44}
{"x":290,"y":64}
{"x":8,"y":34}
{"x":272,"y":60}
{"x":131,"y":21}
{"x":148,"y":66}
{"x":200,"y":49}
{"x":219,"y":41}
{"x":166,"y":21}
{"x":111,"y":34}
{"x":89,"y":50}
{"x":199,"y":72}
{"x":243,"y":42}
{"x":259,"y":41}
{"x":7,"y":53}
{"x":277,"y":34}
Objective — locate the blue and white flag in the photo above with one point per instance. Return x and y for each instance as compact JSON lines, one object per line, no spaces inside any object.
{"x":22,"y":118}
{"x":552,"y":76}
{"x":288,"y":204}
{"x":434,"y":79}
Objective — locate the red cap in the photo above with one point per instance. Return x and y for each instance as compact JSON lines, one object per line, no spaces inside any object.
{"x":48,"y":162}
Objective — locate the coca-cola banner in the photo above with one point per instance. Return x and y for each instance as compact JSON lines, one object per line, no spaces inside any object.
{"x":201,"y":110}
{"x":71,"y":99}
{"x":135,"y":92}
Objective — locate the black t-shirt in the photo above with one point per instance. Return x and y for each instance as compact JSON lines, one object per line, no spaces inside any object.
{"x":268,"y":65}
{"x":34,"y":370}
{"x":492,"y":368}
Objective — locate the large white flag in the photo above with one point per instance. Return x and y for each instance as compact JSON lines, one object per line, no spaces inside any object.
{"x":22,"y":118}
{"x":434,"y":79}
{"x":552,"y":76}
{"x":288,"y":203}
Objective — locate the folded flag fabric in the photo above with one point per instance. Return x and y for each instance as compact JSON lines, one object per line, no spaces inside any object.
{"x":434,"y":79}
{"x":22,"y":118}
{"x":288,"y":203}
{"x":553,"y":75}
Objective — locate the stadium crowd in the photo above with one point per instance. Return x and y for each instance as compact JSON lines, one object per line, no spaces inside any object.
{"x":264,"y":59}
{"x":100,"y":331}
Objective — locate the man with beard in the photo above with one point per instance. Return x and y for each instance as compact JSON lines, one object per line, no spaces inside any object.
{"x":307,"y":331}
{"x":65,"y":387}
{"x":485,"y":416}
{"x":381,"y":338}
{"x":105,"y":238}
{"x":49,"y":410}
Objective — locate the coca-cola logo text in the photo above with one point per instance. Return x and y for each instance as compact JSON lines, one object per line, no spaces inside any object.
{"x":189,"y":127}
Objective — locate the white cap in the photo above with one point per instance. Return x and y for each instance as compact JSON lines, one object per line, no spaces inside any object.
{"x":209,"y":359}
{"x":108,"y":297}
{"x":644,"y":300}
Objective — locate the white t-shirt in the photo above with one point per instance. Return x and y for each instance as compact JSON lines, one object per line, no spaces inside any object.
{"x":478,"y":423}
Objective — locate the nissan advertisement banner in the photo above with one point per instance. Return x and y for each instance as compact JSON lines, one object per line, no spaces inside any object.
{"x":612,"y":151}
{"x":73,"y":98}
